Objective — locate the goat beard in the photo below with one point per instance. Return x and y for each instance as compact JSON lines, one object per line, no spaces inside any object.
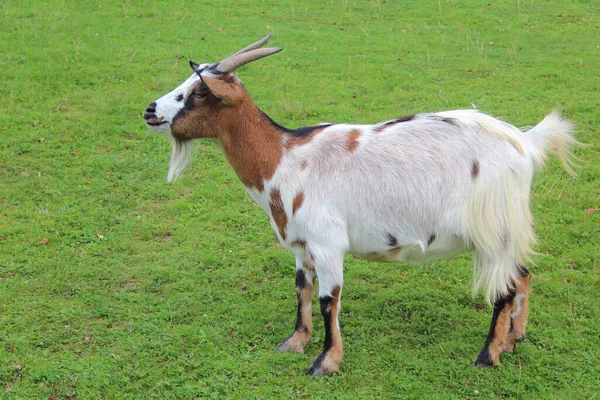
{"x":181,"y":156}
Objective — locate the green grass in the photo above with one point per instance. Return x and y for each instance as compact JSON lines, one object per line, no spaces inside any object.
{"x":114,"y":284}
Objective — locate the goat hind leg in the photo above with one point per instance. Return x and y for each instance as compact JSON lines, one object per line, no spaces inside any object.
{"x":496,"y":341}
{"x":519,"y":309}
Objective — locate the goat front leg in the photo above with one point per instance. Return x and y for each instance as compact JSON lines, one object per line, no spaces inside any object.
{"x":330,"y":273}
{"x":305,"y":281}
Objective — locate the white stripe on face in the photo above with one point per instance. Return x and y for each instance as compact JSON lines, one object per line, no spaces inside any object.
{"x":171,"y":103}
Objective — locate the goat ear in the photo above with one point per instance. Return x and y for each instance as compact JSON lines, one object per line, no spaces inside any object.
{"x":223,"y":87}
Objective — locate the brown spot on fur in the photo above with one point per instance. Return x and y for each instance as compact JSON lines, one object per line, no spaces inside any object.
{"x":278,"y":212}
{"x":308,"y":265}
{"x":335,"y":293}
{"x":253,"y":149}
{"x":299,"y":243}
{"x":395,"y":252}
{"x":390,"y":256}
{"x":291,"y":141}
{"x":297,"y":203}
{"x":475,"y":169}
{"x":304,"y":164}
{"x":353,"y":143}
{"x":387,"y":124}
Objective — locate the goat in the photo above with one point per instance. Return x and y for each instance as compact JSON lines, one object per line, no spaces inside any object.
{"x":412,"y":189}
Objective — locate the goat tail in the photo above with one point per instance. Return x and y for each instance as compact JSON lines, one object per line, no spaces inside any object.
{"x":499,"y":223}
{"x":553,"y":135}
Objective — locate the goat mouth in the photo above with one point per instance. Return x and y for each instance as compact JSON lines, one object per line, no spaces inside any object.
{"x":156,"y":121}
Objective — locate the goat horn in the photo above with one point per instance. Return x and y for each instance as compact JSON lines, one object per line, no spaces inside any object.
{"x":256,"y":45}
{"x":235,"y":61}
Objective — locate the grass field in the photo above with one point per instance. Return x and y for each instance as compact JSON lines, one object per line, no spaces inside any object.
{"x":114,"y":284}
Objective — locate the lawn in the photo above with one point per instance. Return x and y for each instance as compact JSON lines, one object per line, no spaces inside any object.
{"x":114,"y":284}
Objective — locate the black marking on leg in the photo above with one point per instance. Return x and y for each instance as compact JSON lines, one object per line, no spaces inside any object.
{"x":431,"y":239}
{"x":300,"y":285}
{"x":484,"y":358}
{"x":300,"y":326}
{"x":326,"y":312}
{"x":179,"y":97}
{"x":391,"y":240}
{"x":300,"y":279}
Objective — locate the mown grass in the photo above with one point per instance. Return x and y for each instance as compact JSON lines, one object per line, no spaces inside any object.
{"x":116,"y":285}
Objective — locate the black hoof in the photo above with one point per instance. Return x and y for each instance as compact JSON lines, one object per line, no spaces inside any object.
{"x":316,"y":368}
{"x":484,"y":359}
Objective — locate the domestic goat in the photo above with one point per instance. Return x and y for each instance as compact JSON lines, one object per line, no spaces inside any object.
{"x":411,"y":189}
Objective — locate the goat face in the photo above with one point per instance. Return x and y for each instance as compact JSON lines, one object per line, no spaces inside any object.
{"x":201,"y":107}
{"x":205,"y":105}
{"x":162,"y":113}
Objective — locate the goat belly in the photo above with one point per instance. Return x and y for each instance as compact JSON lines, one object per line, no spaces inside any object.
{"x":416,"y":253}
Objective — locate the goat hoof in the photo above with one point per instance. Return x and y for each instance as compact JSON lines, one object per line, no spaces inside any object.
{"x":485,"y":359}
{"x":323,"y":365}
{"x":291,"y":345}
{"x":519,"y":337}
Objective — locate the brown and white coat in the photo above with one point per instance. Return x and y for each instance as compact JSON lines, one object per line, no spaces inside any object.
{"x":411,"y":189}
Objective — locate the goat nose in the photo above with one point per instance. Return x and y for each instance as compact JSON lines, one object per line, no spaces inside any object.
{"x":150,"y":111}
{"x":151,"y":108}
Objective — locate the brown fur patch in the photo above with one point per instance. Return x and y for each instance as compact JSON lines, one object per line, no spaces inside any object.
{"x":303,"y":165}
{"x":291,"y":141}
{"x":390,"y":256}
{"x":299,"y":243}
{"x":335,"y":293}
{"x":395,"y":252}
{"x":308,"y":265}
{"x":278,"y":212}
{"x":253,"y":149}
{"x":297,"y":203}
{"x":475,"y":169}
{"x":352,"y":144}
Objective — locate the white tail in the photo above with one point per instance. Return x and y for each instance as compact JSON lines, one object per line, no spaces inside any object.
{"x":553,"y":135}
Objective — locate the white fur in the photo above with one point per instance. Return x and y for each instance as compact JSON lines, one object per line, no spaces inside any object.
{"x":412,"y":180}
{"x":517,"y":301}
